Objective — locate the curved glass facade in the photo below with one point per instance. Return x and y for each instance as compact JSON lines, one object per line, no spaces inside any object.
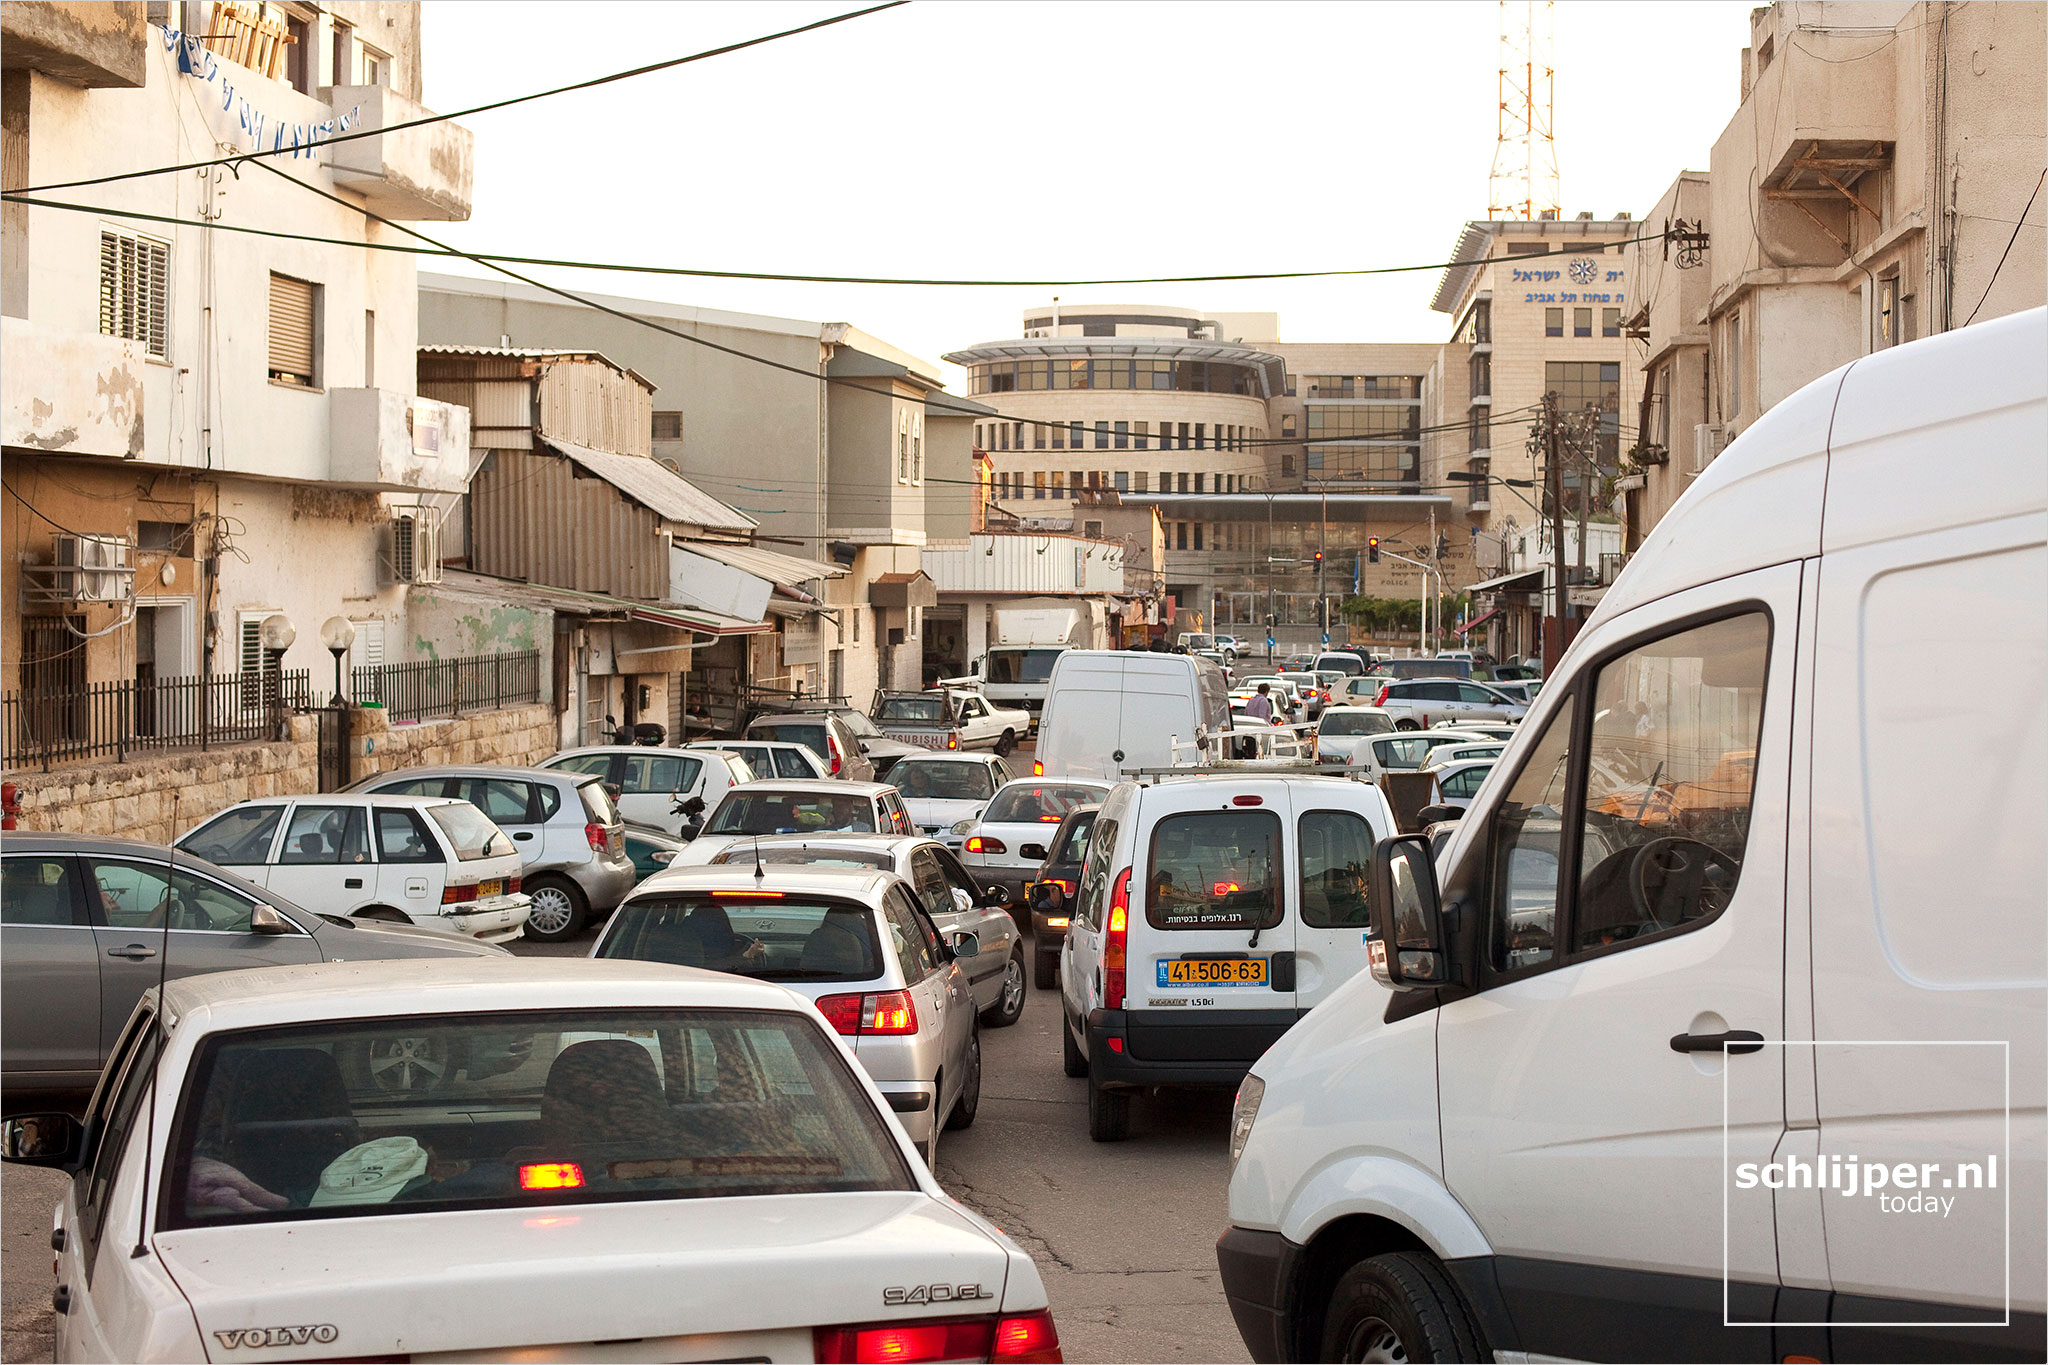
{"x":1114,"y":372}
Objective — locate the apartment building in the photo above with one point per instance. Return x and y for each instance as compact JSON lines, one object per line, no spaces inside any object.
{"x":204,"y":434}
{"x":1872,"y":187}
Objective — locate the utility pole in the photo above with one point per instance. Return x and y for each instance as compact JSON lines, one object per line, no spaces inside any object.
{"x":1270,"y":623}
{"x":1322,"y":548}
{"x":1553,"y":647}
{"x":1589,"y":468}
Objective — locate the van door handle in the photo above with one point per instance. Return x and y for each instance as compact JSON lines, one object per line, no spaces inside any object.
{"x":1734,"y":1042}
{"x":353,"y":883}
{"x":133,"y":952}
{"x":524,"y":836}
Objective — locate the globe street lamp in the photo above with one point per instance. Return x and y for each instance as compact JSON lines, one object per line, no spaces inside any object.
{"x":338,"y":633}
{"x":276,"y":635}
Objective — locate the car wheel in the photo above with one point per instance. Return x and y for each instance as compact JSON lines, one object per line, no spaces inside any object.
{"x":1009,"y":1005}
{"x":1400,"y":1306}
{"x":1406,"y":724}
{"x":558,"y":909}
{"x":409,"y":1063}
{"x":970,"y":1092}
{"x":1006,"y":744}
{"x":1072,"y":1059}
{"x":383,"y":914}
{"x":1046,"y":973}
{"x":1109,"y":1113}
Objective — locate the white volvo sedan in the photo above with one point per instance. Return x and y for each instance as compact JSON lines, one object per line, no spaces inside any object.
{"x":640,"y":1163}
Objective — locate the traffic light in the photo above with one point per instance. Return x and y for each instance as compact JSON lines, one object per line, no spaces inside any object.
{"x":1319,"y":559}
{"x":1372,"y":549}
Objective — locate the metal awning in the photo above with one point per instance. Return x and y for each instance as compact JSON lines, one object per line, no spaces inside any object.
{"x":655,"y":485}
{"x":575,"y":602}
{"x":695,"y":618}
{"x":1478,"y":621}
{"x":786,"y":570}
{"x":1495,"y":584}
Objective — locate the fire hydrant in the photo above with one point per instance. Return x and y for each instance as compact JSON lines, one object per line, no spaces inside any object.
{"x":10,"y":805}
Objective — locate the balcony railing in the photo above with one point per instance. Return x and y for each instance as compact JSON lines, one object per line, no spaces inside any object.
{"x":120,"y":719}
{"x":443,"y":688}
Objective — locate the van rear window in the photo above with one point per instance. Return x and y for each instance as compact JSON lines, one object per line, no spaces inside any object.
{"x":1045,"y":803}
{"x":1214,"y":870}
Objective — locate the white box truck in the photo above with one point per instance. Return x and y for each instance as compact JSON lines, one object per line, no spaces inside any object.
{"x":1028,"y":636}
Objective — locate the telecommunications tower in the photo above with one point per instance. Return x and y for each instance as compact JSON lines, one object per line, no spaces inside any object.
{"x":1524,"y":179}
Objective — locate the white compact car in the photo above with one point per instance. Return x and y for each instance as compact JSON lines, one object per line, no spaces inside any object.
{"x":431,"y":861}
{"x":653,"y":782}
{"x":1457,"y":780}
{"x":654,"y":1128}
{"x":769,"y":759}
{"x":1006,"y":845}
{"x":830,"y":806}
{"x":856,"y":942}
{"x":941,"y":790}
{"x":1343,"y":730}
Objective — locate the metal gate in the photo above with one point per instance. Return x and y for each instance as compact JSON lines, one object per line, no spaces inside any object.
{"x":334,"y":747}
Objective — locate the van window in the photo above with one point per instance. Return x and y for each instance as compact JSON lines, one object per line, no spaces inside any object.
{"x":1021,"y":665}
{"x":1094,"y":892}
{"x":1336,"y":867}
{"x":1214,"y":870}
{"x":1522,"y":897}
{"x":1671,"y":771}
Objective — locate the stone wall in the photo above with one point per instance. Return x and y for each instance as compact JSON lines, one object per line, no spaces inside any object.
{"x":156,"y":799}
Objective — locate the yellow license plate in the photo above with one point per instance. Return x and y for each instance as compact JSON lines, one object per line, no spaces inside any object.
{"x":1212,"y":971}
{"x":494,"y":887}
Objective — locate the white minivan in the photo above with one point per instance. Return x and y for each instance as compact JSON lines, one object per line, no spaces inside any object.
{"x":1212,"y":913}
{"x":1108,"y":711}
{"x":1726,"y":1034}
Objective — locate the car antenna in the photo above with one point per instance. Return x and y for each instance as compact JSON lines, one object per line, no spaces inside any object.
{"x":759,"y":871}
{"x":163,"y":973}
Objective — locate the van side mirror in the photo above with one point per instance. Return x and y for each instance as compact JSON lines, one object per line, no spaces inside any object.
{"x":1407,"y":945}
{"x":265,"y":919}
{"x":1430,"y":815}
{"x":43,"y":1140}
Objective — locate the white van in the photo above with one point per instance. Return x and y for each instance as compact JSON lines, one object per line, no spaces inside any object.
{"x":1733,"y":1005}
{"x":1108,"y":712}
{"x":1212,"y":913}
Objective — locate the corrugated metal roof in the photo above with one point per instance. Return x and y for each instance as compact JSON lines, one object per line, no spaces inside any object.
{"x":538,"y":353}
{"x":656,"y":486}
{"x":787,"y":570}
{"x":576,"y":603}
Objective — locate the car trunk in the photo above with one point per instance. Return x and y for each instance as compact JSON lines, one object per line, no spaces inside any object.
{"x":724,"y":1278}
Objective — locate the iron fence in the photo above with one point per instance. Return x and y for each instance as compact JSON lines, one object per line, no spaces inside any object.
{"x":43,"y":726}
{"x":440,"y":688}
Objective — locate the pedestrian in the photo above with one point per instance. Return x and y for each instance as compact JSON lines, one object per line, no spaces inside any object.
{"x":1260,"y":707}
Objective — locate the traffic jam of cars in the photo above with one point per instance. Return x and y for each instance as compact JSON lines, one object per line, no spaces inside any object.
{"x":1492,"y":964}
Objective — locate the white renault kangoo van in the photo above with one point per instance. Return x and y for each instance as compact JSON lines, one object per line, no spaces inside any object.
{"x":1724,"y":1034}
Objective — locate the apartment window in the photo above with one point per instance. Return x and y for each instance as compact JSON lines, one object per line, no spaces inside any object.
{"x":1198,"y":482}
{"x":1610,"y":322}
{"x":917,"y":447}
{"x":1582,"y":322}
{"x":1198,"y":535}
{"x":903,"y":447}
{"x":1059,"y":483}
{"x":1887,"y":311}
{"x":134,"y":277}
{"x":1003,"y":436}
{"x":1286,"y":466}
{"x":294,"y":312}
{"x":1183,"y":435}
{"x":1312,"y":459}
{"x":1732,"y":366}
{"x":1123,"y":481}
{"x":1102,"y":436}
{"x":1180,"y":535}
{"x":1140,"y":481}
{"x":1038,"y":485}
{"x":1077,"y":482}
{"x":369,"y":348}
{"x":1482,"y":374}
{"x":1165,"y":482}
{"x":1201,"y":435}
{"x":668,"y":426}
{"x":1123,"y":435}
{"x":376,"y":68}
{"x":1038,"y":436}
{"x":1075,"y":438}
{"x":298,"y":57}
{"x":1590,"y":384}
{"x":1059,"y":437}
{"x":1553,"y":322}
{"x":341,"y":66}
{"x":1143,"y":432}
{"x":1290,"y":386}
{"x":1183,"y":481}
{"x":1287,"y":426}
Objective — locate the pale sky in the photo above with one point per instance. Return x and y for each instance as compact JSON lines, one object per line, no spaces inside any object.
{"x":973,"y":139}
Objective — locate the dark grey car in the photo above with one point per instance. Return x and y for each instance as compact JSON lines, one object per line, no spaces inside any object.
{"x":83,"y":934}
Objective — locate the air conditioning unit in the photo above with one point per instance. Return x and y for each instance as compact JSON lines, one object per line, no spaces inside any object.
{"x":92,"y":569}
{"x":1708,"y":440}
{"x":413,"y":551}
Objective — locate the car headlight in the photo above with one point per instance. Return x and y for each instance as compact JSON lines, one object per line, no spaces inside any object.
{"x":962,"y":826}
{"x":1243,"y":1115}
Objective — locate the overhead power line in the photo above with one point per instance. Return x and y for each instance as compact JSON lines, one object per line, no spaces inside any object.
{"x":697,"y":272}
{"x":591,"y":84}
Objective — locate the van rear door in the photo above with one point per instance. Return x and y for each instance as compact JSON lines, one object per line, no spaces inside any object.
{"x":1211,"y":948}
{"x":1336,"y":828}
{"x":1082,"y":726}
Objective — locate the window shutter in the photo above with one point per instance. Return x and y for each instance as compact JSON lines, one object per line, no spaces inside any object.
{"x":291,"y":330}
{"x":156,"y":308}
{"x":110,"y":284}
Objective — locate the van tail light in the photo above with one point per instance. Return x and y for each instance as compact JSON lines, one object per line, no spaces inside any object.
{"x":888,"y":1014}
{"x":838,"y":759}
{"x":1381,"y":699}
{"x":982,"y":843}
{"x":595,"y":834}
{"x":1029,"y":1337}
{"x":1113,"y":945}
{"x":1037,"y":769}
{"x":1021,"y":1339}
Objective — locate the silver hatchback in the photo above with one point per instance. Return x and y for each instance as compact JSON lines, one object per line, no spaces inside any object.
{"x":856,"y":942}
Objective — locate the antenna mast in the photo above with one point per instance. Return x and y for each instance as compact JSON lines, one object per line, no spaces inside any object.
{"x":1524,"y":183}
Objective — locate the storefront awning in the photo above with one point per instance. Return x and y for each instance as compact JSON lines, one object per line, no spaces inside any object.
{"x":1534,"y":579}
{"x":1478,"y":621}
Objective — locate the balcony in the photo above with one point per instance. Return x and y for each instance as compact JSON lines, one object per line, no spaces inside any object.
{"x":96,"y":46}
{"x":74,"y":393}
{"x":417,"y":175}
{"x":382,"y":439}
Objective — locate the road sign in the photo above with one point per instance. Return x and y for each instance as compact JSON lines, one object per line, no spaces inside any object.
{"x":1326,"y":639}
{"x":1269,"y":644}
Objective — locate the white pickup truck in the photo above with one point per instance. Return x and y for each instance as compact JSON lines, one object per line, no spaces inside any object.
{"x":950,"y":717}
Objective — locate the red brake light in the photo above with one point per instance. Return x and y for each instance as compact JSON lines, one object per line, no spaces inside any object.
{"x":1028,"y":1338}
{"x":842,"y":1012}
{"x":456,"y":895}
{"x":514,"y":885}
{"x":1037,"y":769}
{"x":953,"y":740}
{"x":1066,"y":887}
{"x":752,"y":895}
{"x":908,"y":1343}
{"x":832,"y":743}
{"x":984,"y":844}
{"x":551,"y":1175}
{"x":1381,"y":699}
{"x":891,"y":1013}
{"x":595,"y":834}
{"x":1247,"y":801}
{"x":1223,"y":888}
{"x":1113,"y":943}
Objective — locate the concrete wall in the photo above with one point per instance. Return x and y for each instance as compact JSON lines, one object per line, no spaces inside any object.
{"x":98,"y":43}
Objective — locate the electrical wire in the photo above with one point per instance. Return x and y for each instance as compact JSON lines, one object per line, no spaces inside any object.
{"x":2008,"y":246}
{"x":696,"y":272}
{"x":238,"y":158}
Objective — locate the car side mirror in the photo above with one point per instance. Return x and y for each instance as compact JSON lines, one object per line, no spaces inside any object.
{"x":693,"y":807}
{"x":1047,"y":896}
{"x":965,"y":944}
{"x":1407,"y":945}
{"x":1430,"y":815}
{"x":997,"y":897}
{"x":265,"y":919}
{"x":43,"y":1140}
{"x":664,"y":856}
{"x":613,"y":790}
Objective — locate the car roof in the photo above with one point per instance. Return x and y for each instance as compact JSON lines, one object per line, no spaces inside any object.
{"x":812,"y":786}
{"x":947,"y":756}
{"x":696,"y":747}
{"x":866,"y":843}
{"x":866,"y":883}
{"x":448,"y":985}
{"x":1042,"y":781}
{"x":480,"y":770}
{"x":374,"y":800}
{"x":805,"y":717}
{"x":700,"y":745}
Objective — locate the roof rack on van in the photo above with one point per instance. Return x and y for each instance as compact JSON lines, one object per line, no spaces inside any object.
{"x":1248,"y":767}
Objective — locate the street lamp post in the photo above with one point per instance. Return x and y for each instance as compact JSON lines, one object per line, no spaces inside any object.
{"x":338,"y":633}
{"x":276,"y":635}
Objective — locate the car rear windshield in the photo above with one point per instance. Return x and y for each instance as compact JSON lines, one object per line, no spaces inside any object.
{"x":1214,"y":870}
{"x":912,"y":709}
{"x":469,"y":830}
{"x":1039,"y":803}
{"x":942,"y":781}
{"x":421,"y":1114}
{"x":241,"y":835}
{"x":811,"y":737}
{"x":1021,"y":665}
{"x":803,"y":855}
{"x":1073,"y":844}
{"x":771,"y":935}
{"x":1406,"y":752}
{"x":769,"y":812}
{"x":1340,"y":663}
{"x":597,"y":804}
{"x":1356,"y":723}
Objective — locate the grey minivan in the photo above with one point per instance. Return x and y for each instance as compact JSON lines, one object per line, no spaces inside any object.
{"x":571,"y":838}
{"x":83,"y":934}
